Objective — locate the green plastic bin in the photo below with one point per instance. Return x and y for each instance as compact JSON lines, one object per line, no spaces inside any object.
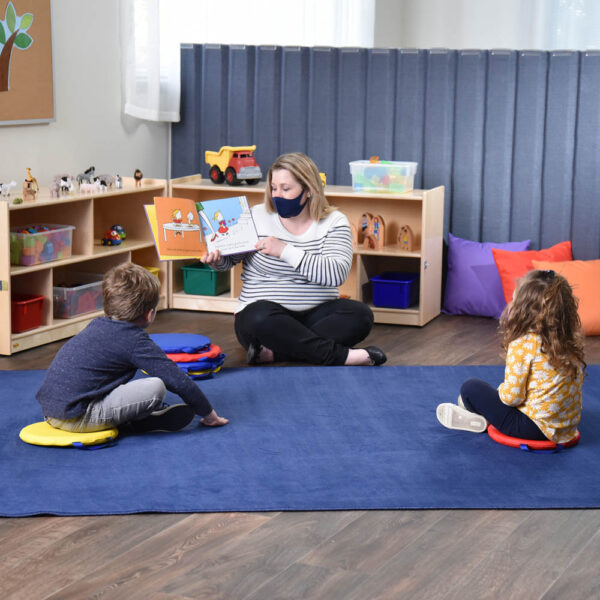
{"x":200,"y":280}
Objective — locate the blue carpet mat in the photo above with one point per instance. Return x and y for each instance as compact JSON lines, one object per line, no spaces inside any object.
{"x":300,"y":438}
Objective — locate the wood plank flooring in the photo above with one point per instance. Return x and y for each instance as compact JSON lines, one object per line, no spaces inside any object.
{"x":346,"y":555}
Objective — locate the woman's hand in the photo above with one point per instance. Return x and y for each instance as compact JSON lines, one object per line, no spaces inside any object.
{"x":270,"y":246}
{"x":211,"y":258}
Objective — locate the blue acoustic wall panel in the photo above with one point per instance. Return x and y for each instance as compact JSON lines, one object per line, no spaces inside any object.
{"x":513,"y":135}
{"x":469,"y":121}
{"x":498,"y":145}
{"x":586,"y":215}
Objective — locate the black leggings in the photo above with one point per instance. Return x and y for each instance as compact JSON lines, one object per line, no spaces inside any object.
{"x":321,"y":336}
{"x":480,"y":397}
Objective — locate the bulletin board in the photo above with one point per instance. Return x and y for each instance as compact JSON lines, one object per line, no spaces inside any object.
{"x":26,"y":84}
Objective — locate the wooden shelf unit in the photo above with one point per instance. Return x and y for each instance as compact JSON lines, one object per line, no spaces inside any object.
{"x":91,"y":215}
{"x":422,"y":210}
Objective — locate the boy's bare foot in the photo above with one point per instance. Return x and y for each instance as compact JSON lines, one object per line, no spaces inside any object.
{"x":259,"y":354}
{"x":213,"y":420}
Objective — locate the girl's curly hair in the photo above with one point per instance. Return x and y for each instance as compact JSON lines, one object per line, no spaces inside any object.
{"x":544,"y":304}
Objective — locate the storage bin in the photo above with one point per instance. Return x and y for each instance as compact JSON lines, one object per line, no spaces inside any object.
{"x":384,"y":176}
{"x":394,"y":289}
{"x":201,"y":280}
{"x":76,"y":294}
{"x":25,"y":312}
{"x":40,"y":243}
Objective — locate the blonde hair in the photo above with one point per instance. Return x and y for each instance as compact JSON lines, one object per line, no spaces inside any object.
{"x":544,"y":304}
{"x":305,"y":172}
{"x":129,"y":292}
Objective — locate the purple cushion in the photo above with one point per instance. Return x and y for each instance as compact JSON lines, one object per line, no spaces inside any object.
{"x":473,"y":286}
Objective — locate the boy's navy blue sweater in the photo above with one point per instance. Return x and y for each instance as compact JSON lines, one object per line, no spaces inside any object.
{"x":105,"y":355}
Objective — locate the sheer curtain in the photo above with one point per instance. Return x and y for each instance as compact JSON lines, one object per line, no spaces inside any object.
{"x":152,"y":30}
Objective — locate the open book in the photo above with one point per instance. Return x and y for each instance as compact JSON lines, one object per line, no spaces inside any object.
{"x":183,"y":228}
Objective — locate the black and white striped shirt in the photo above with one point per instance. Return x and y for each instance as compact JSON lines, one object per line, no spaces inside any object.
{"x":310,"y":269}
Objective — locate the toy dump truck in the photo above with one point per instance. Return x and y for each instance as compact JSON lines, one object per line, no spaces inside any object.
{"x":233,"y":164}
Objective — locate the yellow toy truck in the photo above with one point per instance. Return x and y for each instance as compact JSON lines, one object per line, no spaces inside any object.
{"x":233,"y":164}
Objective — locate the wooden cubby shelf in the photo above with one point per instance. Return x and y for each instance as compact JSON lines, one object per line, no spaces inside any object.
{"x":91,"y":215}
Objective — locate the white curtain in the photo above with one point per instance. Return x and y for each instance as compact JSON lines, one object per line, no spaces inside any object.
{"x":152,"y":31}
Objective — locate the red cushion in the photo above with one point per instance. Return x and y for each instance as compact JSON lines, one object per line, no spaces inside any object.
{"x":514,"y":442}
{"x":513,"y":265}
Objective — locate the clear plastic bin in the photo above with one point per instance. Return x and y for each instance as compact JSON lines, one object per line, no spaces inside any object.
{"x":384,"y":176}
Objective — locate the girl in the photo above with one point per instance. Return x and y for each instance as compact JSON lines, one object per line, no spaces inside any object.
{"x":540,"y":398}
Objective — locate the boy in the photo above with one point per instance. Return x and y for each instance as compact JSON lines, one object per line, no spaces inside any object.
{"x":88,"y":386}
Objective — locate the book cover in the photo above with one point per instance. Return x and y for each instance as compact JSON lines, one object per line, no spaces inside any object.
{"x":176,"y":229}
{"x":183,"y":228}
{"x":227,"y":225}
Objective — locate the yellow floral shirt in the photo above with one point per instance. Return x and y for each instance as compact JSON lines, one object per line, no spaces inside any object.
{"x":532,"y":385}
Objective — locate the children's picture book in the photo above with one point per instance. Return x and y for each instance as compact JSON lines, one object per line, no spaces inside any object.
{"x":183,"y":228}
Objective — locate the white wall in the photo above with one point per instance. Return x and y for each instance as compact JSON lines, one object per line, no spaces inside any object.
{"x":89,"y":127}
{"x":483,"y":24}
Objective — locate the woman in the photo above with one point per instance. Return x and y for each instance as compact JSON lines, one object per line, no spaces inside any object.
{"x":289,"y":308}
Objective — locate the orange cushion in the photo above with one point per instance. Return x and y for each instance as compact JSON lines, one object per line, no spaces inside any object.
{"x":513,"y":265}
{"x":584,"y":277}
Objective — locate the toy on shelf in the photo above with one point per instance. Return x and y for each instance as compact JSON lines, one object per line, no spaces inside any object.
{"x":62,"y":184}
{"x":90,"y":188}
{"x":138,"y":176}
{"x":105,"y":181}
{"x":111,"y":238}
{"x":30,"y":186}
{"x":120,"y":230}
{"x":6,"y":187}
{"x":17,"y":200}
{"x":233,"y":164}
{"x":118,"y":182}
{"x":323,"y":179}
{"x":364,"y":227}
{"x":405,"y":238}
{"x":374,"y":237}
{"x":87,"y":176}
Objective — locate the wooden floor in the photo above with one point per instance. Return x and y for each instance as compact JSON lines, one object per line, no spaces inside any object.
{"x":345,"y":555}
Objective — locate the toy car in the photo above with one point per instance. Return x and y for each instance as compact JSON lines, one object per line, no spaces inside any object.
{"x":111,"y":238}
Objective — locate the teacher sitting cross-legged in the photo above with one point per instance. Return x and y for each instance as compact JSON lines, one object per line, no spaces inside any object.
{"x":289,"y":307}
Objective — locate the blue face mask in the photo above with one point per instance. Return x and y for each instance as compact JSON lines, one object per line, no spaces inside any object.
{"x":289,"y":208}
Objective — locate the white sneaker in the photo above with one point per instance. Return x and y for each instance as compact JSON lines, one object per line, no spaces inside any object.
{"x":460,"y":402}
{"x":453,"y":416}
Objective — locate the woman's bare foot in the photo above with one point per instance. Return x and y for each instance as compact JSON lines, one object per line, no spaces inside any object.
{"x":213,"y":420}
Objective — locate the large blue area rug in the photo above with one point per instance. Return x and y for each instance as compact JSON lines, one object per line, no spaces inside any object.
{"x":300,"y":438}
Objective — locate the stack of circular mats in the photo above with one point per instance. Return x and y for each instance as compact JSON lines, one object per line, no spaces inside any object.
{"x":192,"y":353}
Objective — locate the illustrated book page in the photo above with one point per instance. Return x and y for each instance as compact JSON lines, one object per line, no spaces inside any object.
{"x":227,"y":225}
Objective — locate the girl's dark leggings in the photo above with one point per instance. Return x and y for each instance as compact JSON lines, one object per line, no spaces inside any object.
{"x":480,"y":397}
{"x":320,"y":336}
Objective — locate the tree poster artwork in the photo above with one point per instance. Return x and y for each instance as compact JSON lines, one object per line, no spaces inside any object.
{"x":26,"y":86}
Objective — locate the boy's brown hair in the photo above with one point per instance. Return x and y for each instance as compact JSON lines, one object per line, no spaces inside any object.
{"x":129,"y":292}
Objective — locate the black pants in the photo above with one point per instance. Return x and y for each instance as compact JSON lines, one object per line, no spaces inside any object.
{"x":480,"y":397}
{"x":322,"y":335}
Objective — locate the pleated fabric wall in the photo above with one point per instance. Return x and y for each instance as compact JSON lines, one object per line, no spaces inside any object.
{"x":513,"y":135}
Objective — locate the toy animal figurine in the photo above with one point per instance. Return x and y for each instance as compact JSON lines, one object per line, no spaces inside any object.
{"x":54,"y":190}
{"x":5,"y":188}
{"x":30,"y":186}
{"x":87,"y":176}
{"x":106,"y":181}
{"x":138,"y":175}
{"x":405,"y":238}
{"x":89,"y":188}
{"x":64,"y":181}
{"x":118,"y":182}
{"x":365,"y":226}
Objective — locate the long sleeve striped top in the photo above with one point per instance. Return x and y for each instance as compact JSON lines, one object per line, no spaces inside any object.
{"x":310,"y":269}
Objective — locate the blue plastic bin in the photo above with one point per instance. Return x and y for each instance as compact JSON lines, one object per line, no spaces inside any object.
{"x":394,"y":289}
